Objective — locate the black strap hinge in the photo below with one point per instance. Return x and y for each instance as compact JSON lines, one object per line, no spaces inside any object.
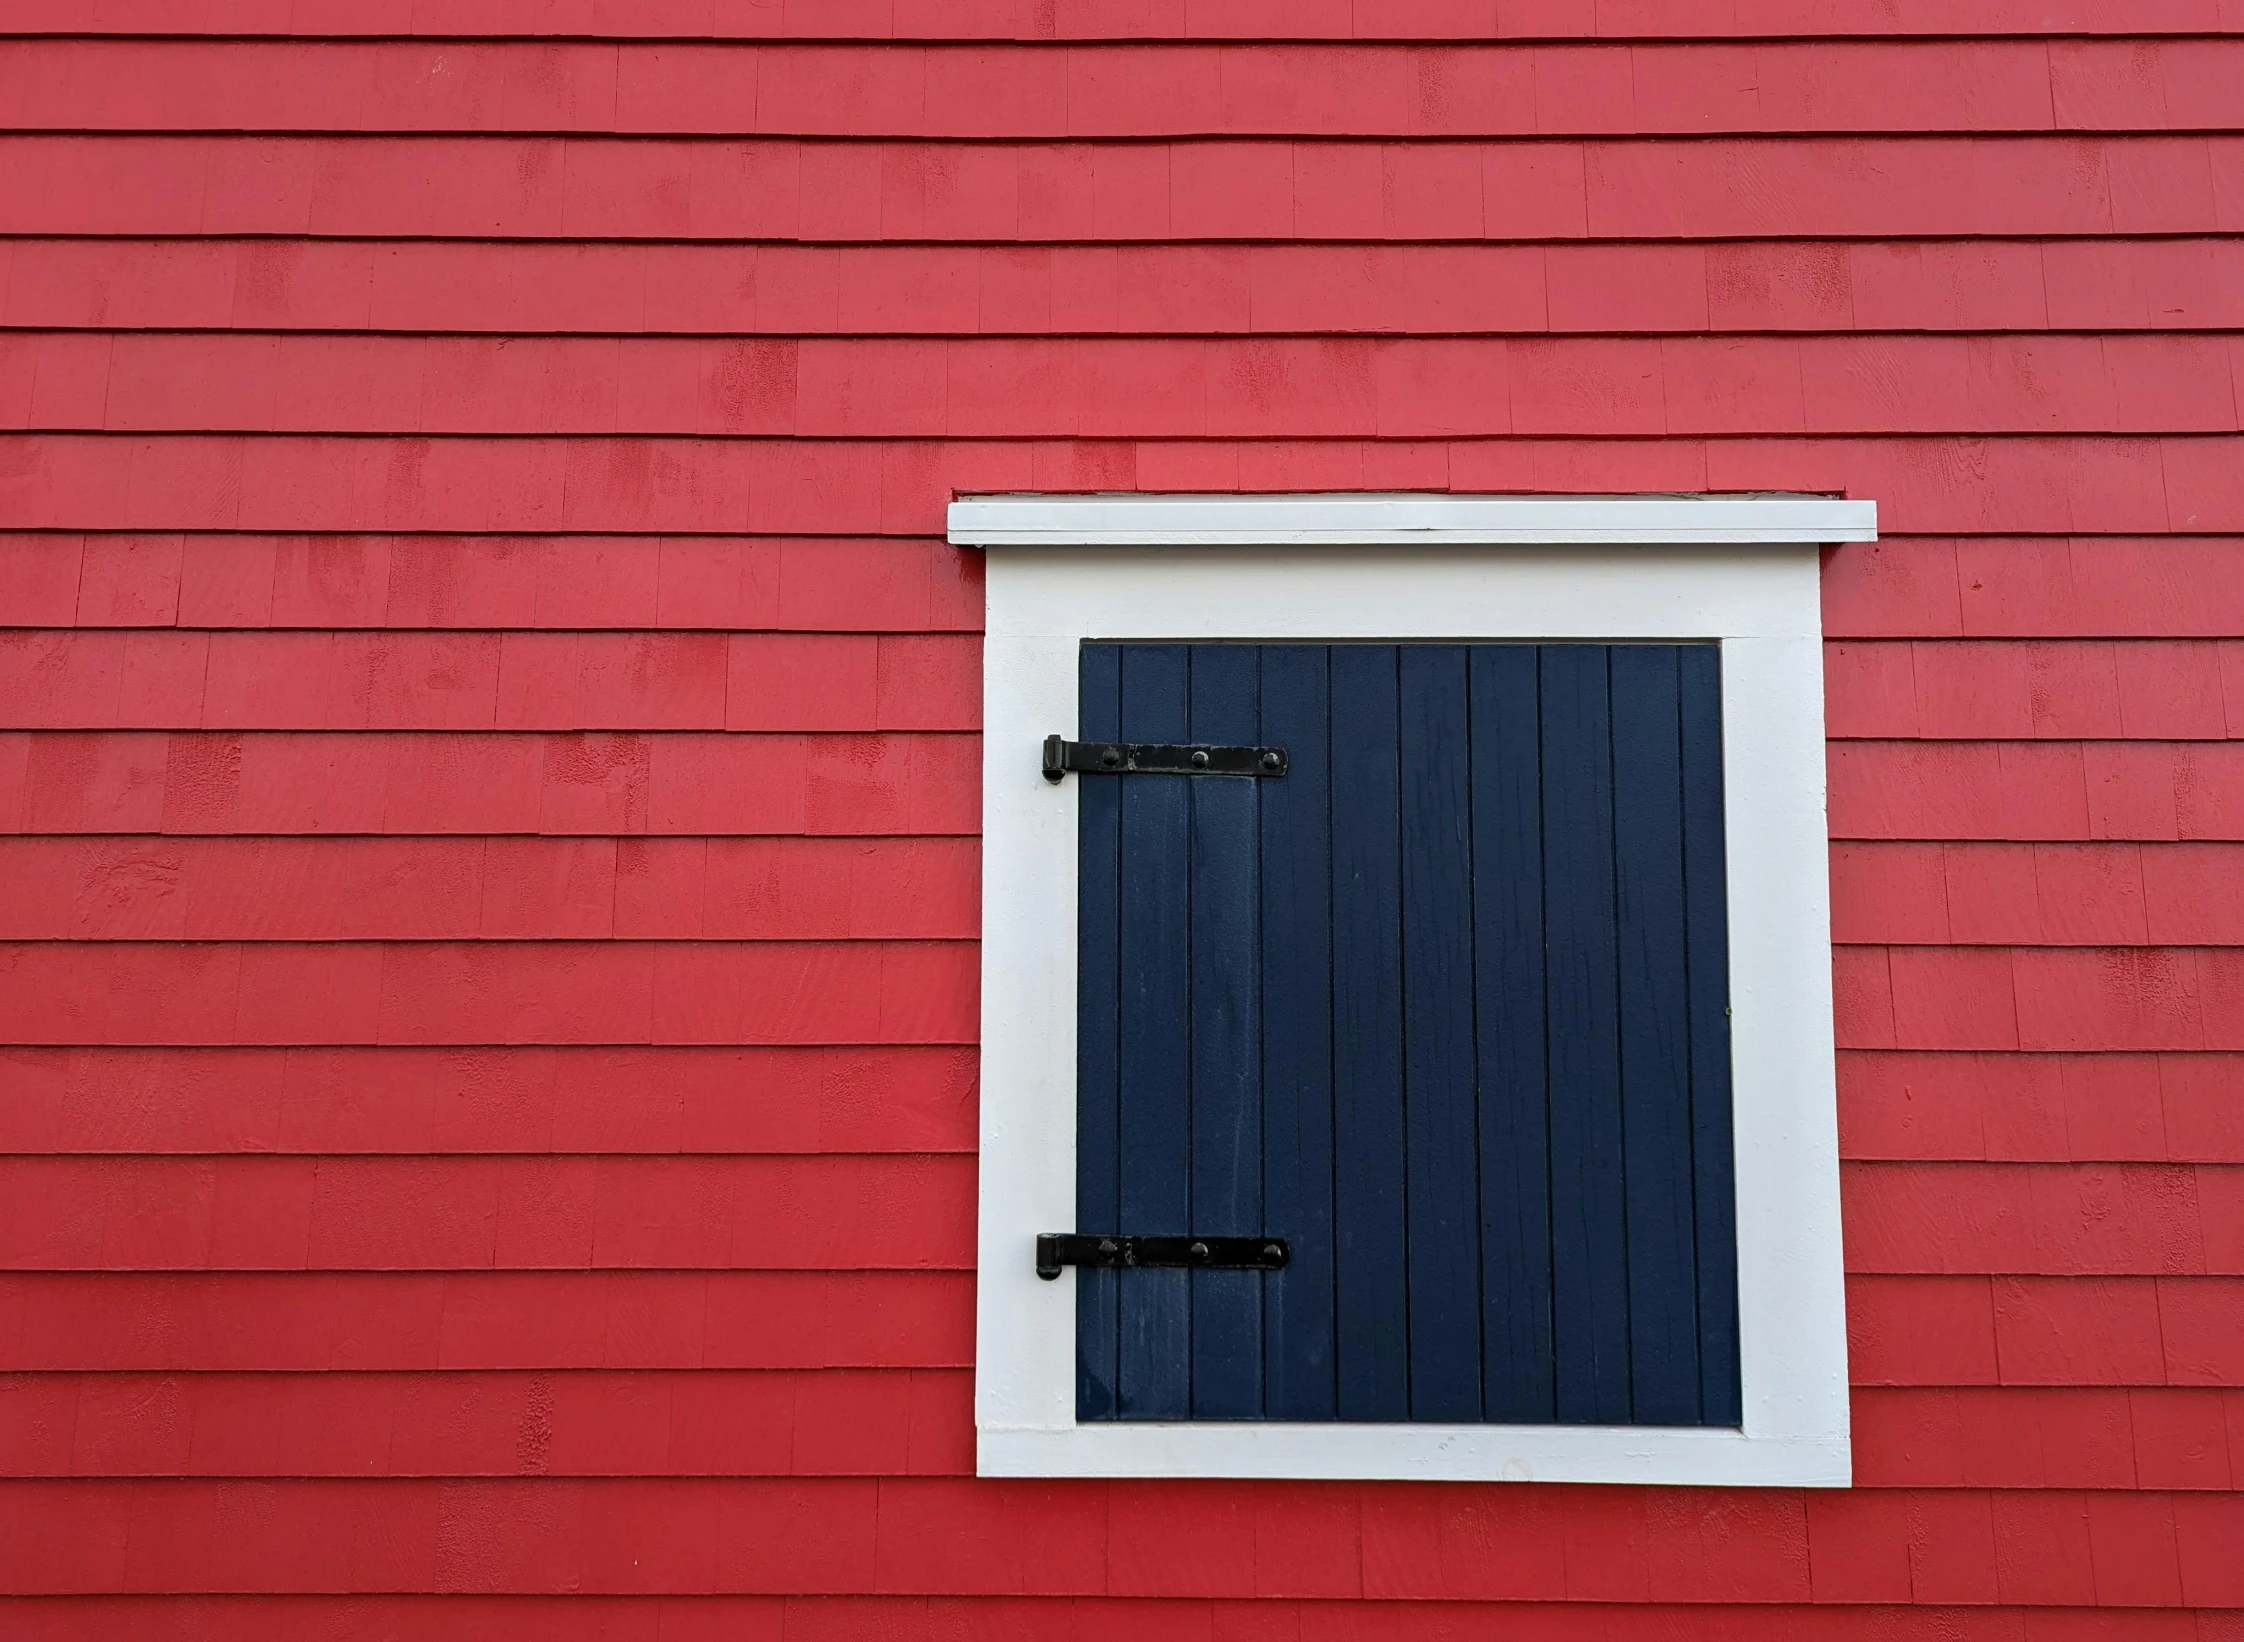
{"x":1057,"y":1249}
{"x":1150,"y":758}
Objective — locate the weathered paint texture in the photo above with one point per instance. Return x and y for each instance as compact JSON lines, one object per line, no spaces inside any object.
{"x":489,"y":766}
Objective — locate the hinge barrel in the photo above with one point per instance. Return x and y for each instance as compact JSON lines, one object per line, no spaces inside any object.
{"x":1057,"y":1249}
{"x":1157,"y":758}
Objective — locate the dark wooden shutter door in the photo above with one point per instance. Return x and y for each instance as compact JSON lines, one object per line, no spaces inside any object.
{"x":1445,"y":1007}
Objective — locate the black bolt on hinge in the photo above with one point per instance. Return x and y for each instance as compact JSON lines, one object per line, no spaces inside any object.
{"x":1057,"y":1249}
{"x":1146,"y":758}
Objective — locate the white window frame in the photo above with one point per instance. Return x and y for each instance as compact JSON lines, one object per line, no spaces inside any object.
{"x":1742,"y":571}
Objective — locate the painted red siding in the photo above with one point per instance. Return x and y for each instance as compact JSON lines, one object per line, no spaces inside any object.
{"x":488,"y":766}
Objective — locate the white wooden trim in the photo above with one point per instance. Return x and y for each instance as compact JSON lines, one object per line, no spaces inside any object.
{"x":1763,"y":605}
{"x":1380,"y":520}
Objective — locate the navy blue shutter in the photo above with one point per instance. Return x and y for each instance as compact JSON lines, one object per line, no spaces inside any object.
{"x":1445,"y":1007}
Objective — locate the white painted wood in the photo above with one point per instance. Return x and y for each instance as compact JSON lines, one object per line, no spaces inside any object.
{"x":1763,"y":604}
{"x":1369,"y":520}
{"x":1425,"y":1453}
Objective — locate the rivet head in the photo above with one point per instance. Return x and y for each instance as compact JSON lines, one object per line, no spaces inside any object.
{"x":1270,"y":761}
{"x":1198,"y":1251}
{"x":1108,"y":1246}
{"x":1110,"y":757}
{"x":1200,"y":761}
{"x":1272,"y":1252}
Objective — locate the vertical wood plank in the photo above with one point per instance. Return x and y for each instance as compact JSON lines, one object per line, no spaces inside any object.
{"x":1098,"y":1135}
{"x":1655,"y":1035}
{"x":1154,"y":1312}
{"x":1589,"y":1249}
{"x":1226,"y":1011}
{"x":1706,"y":919}
{"x":1369,"y":1198}
{"x":1508,"y":984}
{"x":1440,"y":1121}
{"x":1296,"y":814}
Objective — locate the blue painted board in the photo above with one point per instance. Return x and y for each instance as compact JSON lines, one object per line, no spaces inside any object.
{"x":1662,"y":1278}
{"x":1226,"y":1032}
{"x":1515,"y":1159}
{"x":1589,"y":1269}
{"x":1098,"y":1065}
{"x":1154,"y":1378}
{"x":1371,"y":1237}
{"x":1441,"y":1119}
{"x":1707,"y":958}
{"x":1297,"y":1131}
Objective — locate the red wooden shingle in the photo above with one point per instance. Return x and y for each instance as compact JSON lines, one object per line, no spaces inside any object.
{"x":496,"y":992}
{"x":465,"y":783}
{"x":352,"y":1214}
{"x":2057,"y":1219}
{"x":256,"y":1321}
{"x":352,"y":581}
{"x":404,"y":1101}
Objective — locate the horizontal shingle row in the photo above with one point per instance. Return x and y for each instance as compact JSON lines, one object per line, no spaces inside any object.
{"x":2080,"y":999}
{"x":552,"y":992}
{"x":1997,"y":1106}
{"x":1909,"y":587}
{"x":965,"y":1537}
{"x":1902,"y":1330}
{"x":348,"y":888}
{"x":709,"y":1422}
{"x":558,"y":1102}
{"x":682,"y":784}
{"x":325,"y":1321}
{"x":166,"y":579}
{"x":2021,"y":484}
{"x":902,"y":1212}
{"x":478,"y":681}
{"x":1058,"y":91}
{"x":744,"y":1213}
{"x":909,"y":1422}
{"x":2032,"y":894}
{"x":1135,"y":388}
{"x":2036,"y":790}
{"x":141,"y":678}
{"x":498,"y":888}
{"x":2040,"y":1108}
{"x":536,"y":287}
{"x":856,"y":191}
{"x":1259,"y":20}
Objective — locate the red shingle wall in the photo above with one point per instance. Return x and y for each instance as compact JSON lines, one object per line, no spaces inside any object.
{"x":488,"y":766}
